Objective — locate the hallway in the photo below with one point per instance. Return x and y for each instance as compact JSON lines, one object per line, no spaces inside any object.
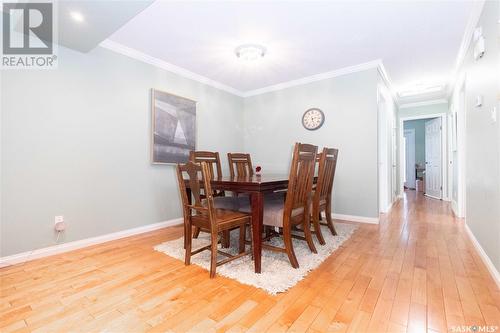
{"x":415,"y":272}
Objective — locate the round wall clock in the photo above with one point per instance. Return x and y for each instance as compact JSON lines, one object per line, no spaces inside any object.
{"x":313,"y":119}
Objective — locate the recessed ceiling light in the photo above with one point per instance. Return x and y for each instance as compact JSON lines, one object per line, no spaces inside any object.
{"x":250,"y":52}
{"x":77,"y":16}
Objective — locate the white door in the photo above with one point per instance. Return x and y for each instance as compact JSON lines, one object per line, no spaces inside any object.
{"x":433,"y":158}
{"x":409,"y":158}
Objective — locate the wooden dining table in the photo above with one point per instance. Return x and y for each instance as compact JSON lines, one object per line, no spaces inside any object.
{"x":256,"y":186}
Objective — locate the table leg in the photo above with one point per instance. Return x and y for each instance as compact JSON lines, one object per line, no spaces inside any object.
{"x":257,"y":199}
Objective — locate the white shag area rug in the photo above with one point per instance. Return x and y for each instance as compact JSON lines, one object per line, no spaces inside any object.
{"x":277,"y":274}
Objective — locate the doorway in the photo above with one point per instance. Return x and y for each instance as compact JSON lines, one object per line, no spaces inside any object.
{"x":423,"y":149}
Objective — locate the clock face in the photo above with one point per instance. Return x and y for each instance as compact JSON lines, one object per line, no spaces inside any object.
{"x":313,"y":119}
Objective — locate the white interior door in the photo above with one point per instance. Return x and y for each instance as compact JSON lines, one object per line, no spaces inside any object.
{"x":409,"y":158}
{"x":433,"y":169}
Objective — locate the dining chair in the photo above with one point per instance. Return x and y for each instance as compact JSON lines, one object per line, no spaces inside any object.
{"x":240,"y":165}
{"x":203,"y":215}
{"x":327,"y":163}
{"x":295,"y":209}
{"x":215,"y":171}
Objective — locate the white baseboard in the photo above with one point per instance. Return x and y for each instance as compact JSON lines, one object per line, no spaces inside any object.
{"x":354,"y":218}
{"x":454,"y":207}
{"x":398,"y":197}
{"x":456,"y":210}
{"x":487,"y":261}
{"x":70,"y":246}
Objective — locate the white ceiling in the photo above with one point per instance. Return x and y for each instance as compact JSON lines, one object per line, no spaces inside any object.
{"x":100,"y":20}
{"x":418,"y":41}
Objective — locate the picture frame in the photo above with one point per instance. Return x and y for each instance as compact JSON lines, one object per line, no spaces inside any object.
{"x":173,"y":130}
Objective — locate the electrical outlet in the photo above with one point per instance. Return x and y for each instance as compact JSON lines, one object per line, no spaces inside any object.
{"x":59,"y":224}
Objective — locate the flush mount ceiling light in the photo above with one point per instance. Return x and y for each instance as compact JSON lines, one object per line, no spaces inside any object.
{"x":250,"y":52}
{"x":77,"y":16}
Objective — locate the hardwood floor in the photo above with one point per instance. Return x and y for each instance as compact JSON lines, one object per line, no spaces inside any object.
{"x":416,"y":272}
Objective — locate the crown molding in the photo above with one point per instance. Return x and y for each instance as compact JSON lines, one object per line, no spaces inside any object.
{"x":424,"y":103}
{"x":475,"y":14}
{"x":314,"y":78}
{"x":138,"y":55}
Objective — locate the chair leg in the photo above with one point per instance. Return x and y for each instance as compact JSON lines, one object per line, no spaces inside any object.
{"x":226,"y":239}
{"x":329,"y":221}
{"x":187,"y":243}
{"x":251,"y":240}
{"x":187,"y":233}
{"x":242,"y":238}
{"x":213,"y":259}
{"x":307,"y":233}
{"x":287,"y":238}
{"x":196,"y":232}
{"x":268,"y":231}
{"x":317,"y":229}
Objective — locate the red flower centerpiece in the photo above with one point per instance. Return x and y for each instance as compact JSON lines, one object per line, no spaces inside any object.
{"x":257,"y":169}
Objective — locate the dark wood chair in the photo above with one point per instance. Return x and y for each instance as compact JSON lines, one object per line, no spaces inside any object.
{"x":215,"y":171}
{"x":322,"y":199}
{"x":203,"y":214}
{"x":240,"y":165}
{"x":295,"y":210}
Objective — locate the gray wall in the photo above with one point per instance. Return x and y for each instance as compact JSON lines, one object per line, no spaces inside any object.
{"x":75,"y":142}
{"x":419,"y":127}
{"x":273,"y":124}
{"x":483,"y":138}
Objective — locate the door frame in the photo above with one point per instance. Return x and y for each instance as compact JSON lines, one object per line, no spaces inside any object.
{"x":382,"y":154}
{"x":405,"y":174}
{"x":459,"y":107}
{"x":444,"y":150}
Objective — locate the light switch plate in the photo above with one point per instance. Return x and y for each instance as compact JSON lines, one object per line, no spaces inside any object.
{"x":494,"y":114}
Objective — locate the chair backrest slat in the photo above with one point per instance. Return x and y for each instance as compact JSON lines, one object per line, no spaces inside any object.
{"x":240,"y":165}
{"x":301,"y":178}
{"x":214,"y":168}
{"x":327,"y":163}
{"x":211,"y":158}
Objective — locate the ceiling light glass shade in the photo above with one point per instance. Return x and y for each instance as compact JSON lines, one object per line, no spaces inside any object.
{"x":250,"y":52}
{"x":77,"y":16}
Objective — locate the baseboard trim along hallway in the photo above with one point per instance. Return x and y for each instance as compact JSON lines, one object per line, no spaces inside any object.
{"x":354,"y":218}
{"x":484,"y":257}
{"x":75,"y":245}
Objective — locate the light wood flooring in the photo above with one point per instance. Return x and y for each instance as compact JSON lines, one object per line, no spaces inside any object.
{"x":416,"y":271}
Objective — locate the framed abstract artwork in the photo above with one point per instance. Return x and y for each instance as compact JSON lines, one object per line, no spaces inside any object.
{"x":173,"y":127}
